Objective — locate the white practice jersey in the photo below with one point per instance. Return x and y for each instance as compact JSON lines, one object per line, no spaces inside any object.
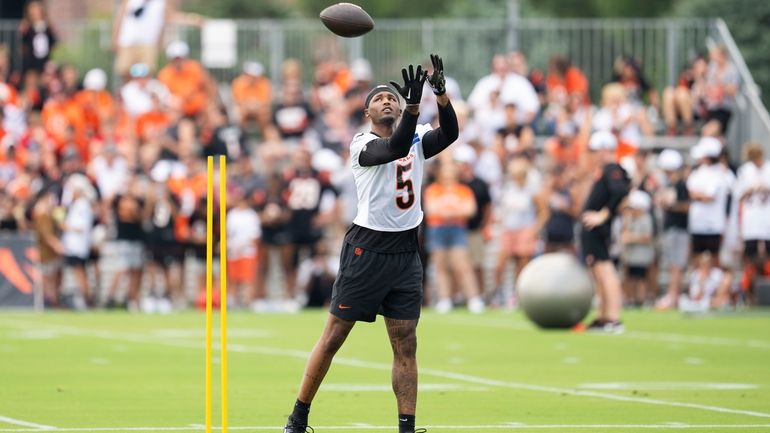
{"x":755,"y":213}
{"x":389,"y":194}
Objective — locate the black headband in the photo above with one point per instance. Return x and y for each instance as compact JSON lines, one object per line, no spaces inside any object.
{"x":379,"y":89}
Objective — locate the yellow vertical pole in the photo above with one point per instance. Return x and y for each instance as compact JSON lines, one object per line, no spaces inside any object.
{"x":209,"y":281}
{"x":223,"y":282}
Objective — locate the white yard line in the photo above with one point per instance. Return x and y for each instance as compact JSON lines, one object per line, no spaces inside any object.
{"x":353,"y":362}
{"x":501,"y":427}
{"x":15,"y":421}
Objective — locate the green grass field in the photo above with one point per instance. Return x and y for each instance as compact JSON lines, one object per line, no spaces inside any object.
{"x":121,"y":372}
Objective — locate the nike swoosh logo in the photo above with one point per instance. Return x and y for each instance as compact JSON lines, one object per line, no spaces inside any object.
{"x":344,"y":307}
{"x":402,"y":420}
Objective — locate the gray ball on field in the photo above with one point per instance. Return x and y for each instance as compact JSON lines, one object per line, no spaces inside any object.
{"x":555,"y":290}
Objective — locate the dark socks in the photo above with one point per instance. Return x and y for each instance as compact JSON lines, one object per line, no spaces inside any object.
{"x":301,"y":411}
{"x":405,"y":423}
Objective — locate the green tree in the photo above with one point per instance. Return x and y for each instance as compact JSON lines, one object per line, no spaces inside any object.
{"x":749,"y":22}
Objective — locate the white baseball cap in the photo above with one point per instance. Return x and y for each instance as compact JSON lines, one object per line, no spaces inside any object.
{"x":602,"y":140}
{"x":708,"y":147}
{"x":95,"y":79}
{"x":177,"y":49}
{"x":639,"y":199}
{"x":670,"y":160}
{"x":326,"y":160}
{"x":253,"y":68}
{"x":464,"y":153}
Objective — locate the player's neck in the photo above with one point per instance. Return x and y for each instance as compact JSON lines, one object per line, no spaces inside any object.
{"x":382,"y":130}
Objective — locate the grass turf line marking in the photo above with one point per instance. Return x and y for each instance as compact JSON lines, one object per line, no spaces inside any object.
{"x":9,"y":420}
{"x":667,"y":386}
{"x":299,"y":354}
{"x":510,"y":426}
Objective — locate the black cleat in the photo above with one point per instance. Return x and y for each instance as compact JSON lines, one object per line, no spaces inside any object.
{"x":294,"y":426}
{"x":596,"y":325}
{"x":606,"y":326}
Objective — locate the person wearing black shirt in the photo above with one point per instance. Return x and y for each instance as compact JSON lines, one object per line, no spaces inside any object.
{"x":37,"y":38}
{"x":478,"y":225}
{"x":162,"y":246}
{"x":306,"y":193}
{"x":601,"y":206}
{"x":292,"y":114}
{"x":675,"y":201}
{"x":128,"y":210}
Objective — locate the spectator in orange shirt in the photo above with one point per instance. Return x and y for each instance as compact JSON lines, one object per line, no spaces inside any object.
{"x":188,"y":82}
{"x":150,"y":126}
{"x":10,"y":95}
{"x":95,"y":101}
{"x":565,"y":81}
{"x":64,"y":120}
{"x":252,"y":93}
{"x":449,"y":205}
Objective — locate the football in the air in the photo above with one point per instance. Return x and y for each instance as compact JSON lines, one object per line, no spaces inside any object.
{"x":346,"y":20}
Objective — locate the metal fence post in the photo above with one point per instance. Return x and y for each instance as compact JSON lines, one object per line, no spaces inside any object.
{"x":276,"y":50}
{"x":512,"y":25}
{"x":427,"y":34}
{"x":356,"y":49}
{"x":672,"y":51}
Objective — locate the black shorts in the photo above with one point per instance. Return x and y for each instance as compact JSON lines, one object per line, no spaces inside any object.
{"x":370,"y":283}
{"x":75,"y":262}
{"x":639,"y":272}
{"x":595,"y":244}
{"x":706,"y":244}
{"x":751,"y":249}
{"x":165,"y":255}
{"x":275,"y":236}
{"x":94,"y":256}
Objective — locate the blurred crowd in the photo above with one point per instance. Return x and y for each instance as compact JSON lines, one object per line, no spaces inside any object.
{"x":91,"y":171}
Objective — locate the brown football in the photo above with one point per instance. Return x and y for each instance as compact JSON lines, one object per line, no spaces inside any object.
{"x":346,"y":20}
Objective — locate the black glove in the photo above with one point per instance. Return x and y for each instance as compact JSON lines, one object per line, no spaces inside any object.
{"x":436,"y":80}
{"x":412,"y":90}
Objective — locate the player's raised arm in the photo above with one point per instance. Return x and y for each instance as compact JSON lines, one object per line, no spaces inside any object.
{"x":382,"y":108}
{"x":439,"y":139}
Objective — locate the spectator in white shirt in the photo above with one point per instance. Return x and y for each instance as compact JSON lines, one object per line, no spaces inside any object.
{"x":111,"y":172}
{"x":76,"y":236}
{"x":619,"y":116}
{"x":704,"y":283}
{"x":519,"y":91}
{"x":722,"y":81}
{"x":480,"y":94}
{"x":752,"y":191}
{"x":243,"y":233}
{"x":138,"y":32}
{"x":138,"y":93}
{"x":708,"y":187}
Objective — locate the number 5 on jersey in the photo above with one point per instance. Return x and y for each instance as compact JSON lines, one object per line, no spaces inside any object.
{"x":404,"y":187}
